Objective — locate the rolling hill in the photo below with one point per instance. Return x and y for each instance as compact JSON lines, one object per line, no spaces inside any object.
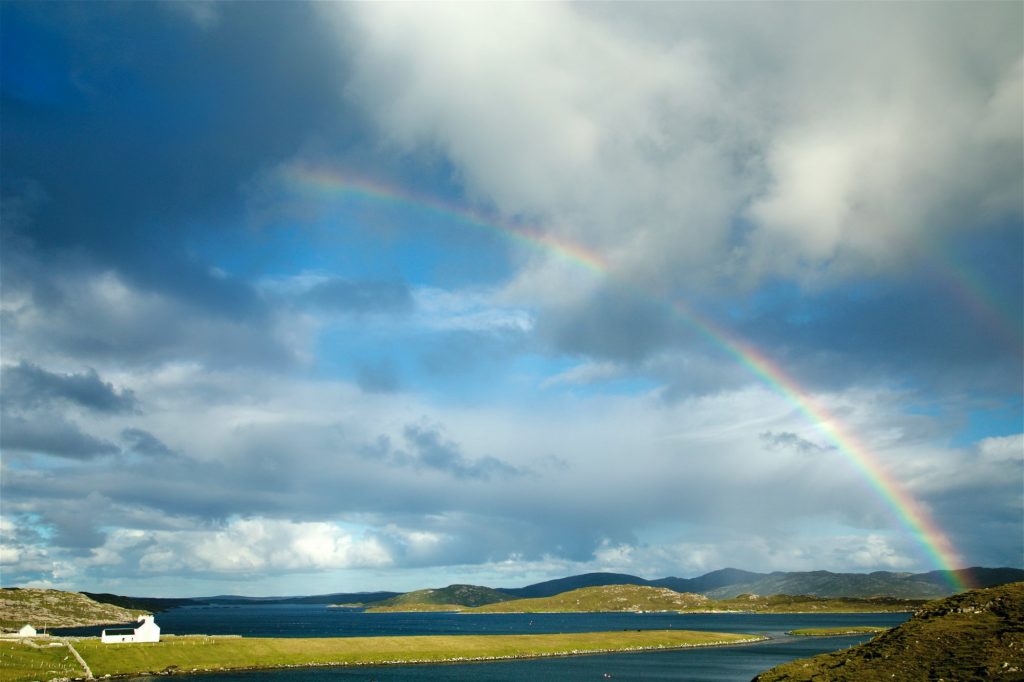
{"x":453,"y":595}
{"x":54,"y":608}
{"x":638,"y":598}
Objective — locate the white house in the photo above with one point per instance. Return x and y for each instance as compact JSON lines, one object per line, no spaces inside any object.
{"x":148,"y":631}
{"x":27,"y":631}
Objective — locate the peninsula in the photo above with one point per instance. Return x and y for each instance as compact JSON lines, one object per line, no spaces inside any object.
{"x":23,"y":663}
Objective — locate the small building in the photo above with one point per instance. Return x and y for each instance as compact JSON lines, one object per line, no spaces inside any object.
{"x":148,"y":631}
{"x":27,"y":631}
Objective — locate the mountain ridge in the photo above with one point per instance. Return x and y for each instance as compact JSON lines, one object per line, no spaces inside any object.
{"x":720,"y":584}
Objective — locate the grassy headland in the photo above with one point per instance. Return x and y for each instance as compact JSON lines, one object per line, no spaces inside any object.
{"x":838,"y":632}
{"x":974,"y":635}
{"x":198,"y":653}
{"x":54,"y":608}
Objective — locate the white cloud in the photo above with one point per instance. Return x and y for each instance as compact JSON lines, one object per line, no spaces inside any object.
{"x":586,"y":373}
{"x":258,"y":545}
{"x":467,"y":310}
{"x":847,"y":135}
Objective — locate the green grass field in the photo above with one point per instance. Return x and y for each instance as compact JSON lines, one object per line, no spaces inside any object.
{"x":187,"y":654}
{"x":22,"y":663}
{"x":838,"y":632}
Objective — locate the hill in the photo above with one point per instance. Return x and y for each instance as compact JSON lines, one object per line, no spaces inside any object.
{"x":550,"y":588}
{"x":973,"y":635}
{"x":53,"y":608}
{"x":445,"y":597}
{"x":637,"y":598}
{"x":604,"y":598}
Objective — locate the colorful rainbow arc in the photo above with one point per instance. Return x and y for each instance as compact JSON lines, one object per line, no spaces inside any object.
{"x":908,"y":511}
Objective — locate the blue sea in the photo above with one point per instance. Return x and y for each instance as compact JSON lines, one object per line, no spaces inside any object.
{"x":720,"y":663}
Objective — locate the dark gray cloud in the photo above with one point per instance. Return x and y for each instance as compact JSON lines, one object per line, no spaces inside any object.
{"x":786,"y":440}
{"x":615,"y":324}
{"x":51,"y":435}
{"x":145,"y":443}
{"x":87,"y":316}
{"x":430,"y":449}
{"x":26,"y":385}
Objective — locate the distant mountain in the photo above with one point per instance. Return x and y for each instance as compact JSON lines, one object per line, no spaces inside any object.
{"x":971,"y":636}
{"x":976,"y":577}
{"x":708,"y":581}
{"x":878,"y":584}
{"x":453,"y":595}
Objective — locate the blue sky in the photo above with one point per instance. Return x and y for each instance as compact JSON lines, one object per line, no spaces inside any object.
{"x":219,"y":377}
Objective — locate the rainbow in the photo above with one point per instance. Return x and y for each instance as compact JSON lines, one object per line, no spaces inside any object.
{"x":909,"y":513}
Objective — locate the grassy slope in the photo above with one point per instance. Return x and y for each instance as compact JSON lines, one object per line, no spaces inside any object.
{"x":837,"y":632}
{"x":19,"y":661}
{"x":640,"y":598}
{"x":54,"y":608}
{"x":605,"y":598}
{"x":978,"y":634}
{"x":213,"y":653}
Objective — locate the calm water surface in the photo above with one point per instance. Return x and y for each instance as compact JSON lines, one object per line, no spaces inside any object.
{"x":725,"y":663}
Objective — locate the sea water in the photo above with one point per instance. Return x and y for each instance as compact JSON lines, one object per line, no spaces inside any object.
{"x":718,"y":663}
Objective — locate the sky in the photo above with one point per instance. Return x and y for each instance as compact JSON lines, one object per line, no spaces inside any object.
{"x":310,"y":298}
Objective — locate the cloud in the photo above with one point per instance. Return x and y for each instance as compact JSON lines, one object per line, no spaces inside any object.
{"x":51,"y":435}
{"x":101,"y":317}
{"x":431,"y":450}
{"x":29,"y":386}
{"x":686,"y":120}
{"x":587,"y":373}
{"x":826,"y":198}
{"x":791,"y":441}
{"x":145,"y":443}
{"x":253,"y":546}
